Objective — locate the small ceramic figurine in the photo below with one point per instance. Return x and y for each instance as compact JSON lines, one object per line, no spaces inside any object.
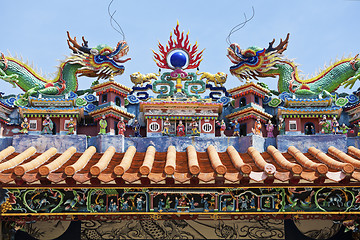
{"x":325,"y":125}
{"x":121,"y":127}
{"x":335,"y":126}
{"x":257,"y":127}
{"x":312,"y":129}
{"x":270,"y":129}
{"x":236,"y":128}
{"x":194,"y":127}
{"x":166,"y":129}
{"x":47,"y":125}
{"x":71,"y":127}
{"x":222,"y":125}
{"x":281,"y":126}
{"x":136,"y":127}
{"x":25,"y":126}
{"x":180,"y":130}
{"x":103,"y":125}
{"x":344,"y":129}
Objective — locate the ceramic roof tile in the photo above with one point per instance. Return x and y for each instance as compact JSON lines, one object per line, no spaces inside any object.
{"x":271,"y":167}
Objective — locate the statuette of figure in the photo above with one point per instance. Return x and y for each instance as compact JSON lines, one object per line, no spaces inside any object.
{"x":180,"y":130}
{"x":25,"y":126}
{"x":48,"y":125}
{"x":121,"y":127}
{"x":103,"y":125}
{"x":71,"y":127}
{"x":269,"y":129}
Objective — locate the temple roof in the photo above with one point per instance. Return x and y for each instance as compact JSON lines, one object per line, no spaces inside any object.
{"x":109,"y":86}
{"x":190,"y":168}
{"x":241,"y":90}
{"x":110,"y":109}
{"x":250,"y":110}
{"x":319,"y":111}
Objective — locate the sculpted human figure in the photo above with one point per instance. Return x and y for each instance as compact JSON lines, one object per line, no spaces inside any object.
{"x":166,"y":129}
{"x":335,"y":126}
{"x":47,"y":125}
{"x":71,"y":127}
{"x":325,"y":125}
{"x":236,"y":128}
{"x":136,"y":127}
{"x":257,"y":127}
{"x":270,"y":129}
{"x":25,"y":126}
{"x":281,"y":126}
{"x":121,"y":127}
{"x":222,"y":125}
{"x":103,"y":125}
{"x":194,"y":127}
{"x":180,"y":130}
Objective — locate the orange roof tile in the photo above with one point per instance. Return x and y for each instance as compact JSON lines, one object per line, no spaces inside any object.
{"x":190,"y":167}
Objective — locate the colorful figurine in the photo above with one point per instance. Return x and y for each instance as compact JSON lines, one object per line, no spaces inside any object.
{"x":180,"y":130}
{"x":25,"y":126}
{"x":205,"y":202}
{"x":281,"y":126}
{"x":71,"y":127}
{"x":344,"y":129}
{"x":222,"y":126}
{"x":161,"y":204}
{"x":121,"y":127}
{"x":270,"y":129}
{"x":136,"y":127}
{"x":48,"y":125}
{"x":103,"y":125}
{"x":236,"y":128}
{"x":167,"y":203}
{"x":257,"y":127}
{"x":312,"y":130}
{"x":335,"y":126}
{"x":325,"y":125}
{"x":194,"y":128}
{"x":166,"y":129}
{"x":139,"y":204}
{"x":358,"y":129}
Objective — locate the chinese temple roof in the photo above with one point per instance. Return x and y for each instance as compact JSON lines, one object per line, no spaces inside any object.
{"x":308,"y":102}
{"x":187,"y":104}
{"x":242,"y":90}
{"x":251,"y":110}
{"x":110,"y":109}
{"x":315,"y":112}
{"x":52,"y":112}
{"x":154,"y":168}
{"x":111,"y":86}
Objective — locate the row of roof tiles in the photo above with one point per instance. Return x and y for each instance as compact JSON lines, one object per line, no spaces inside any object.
{"x":172,"y":167}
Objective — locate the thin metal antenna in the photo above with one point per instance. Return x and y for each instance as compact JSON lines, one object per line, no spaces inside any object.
{"x":239,"y":26}
{"x":112,"y":19}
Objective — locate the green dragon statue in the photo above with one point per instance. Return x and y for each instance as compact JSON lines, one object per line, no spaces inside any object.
{"x":256,"y":62}
{"x":101,"y":62}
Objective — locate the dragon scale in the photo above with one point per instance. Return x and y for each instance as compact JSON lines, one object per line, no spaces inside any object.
{"x":27,"y":79}
{"x":328,"y":80}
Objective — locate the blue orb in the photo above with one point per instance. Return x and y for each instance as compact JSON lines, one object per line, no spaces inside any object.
{"x":178,"y":59}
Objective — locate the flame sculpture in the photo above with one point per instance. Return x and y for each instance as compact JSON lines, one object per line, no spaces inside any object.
{"x":178,"y":53}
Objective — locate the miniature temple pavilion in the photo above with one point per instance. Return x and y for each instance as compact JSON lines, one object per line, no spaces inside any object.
{"x":178,"y":155}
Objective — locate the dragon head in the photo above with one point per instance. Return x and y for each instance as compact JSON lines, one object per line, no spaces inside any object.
{"x":255,"y":62}
{"x":101,"y":61}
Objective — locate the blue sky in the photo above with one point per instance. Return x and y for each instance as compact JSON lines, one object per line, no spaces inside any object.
{"x":319,"y":31}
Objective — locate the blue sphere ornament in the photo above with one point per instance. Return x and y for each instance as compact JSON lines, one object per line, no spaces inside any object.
{"x":178,"y":59}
